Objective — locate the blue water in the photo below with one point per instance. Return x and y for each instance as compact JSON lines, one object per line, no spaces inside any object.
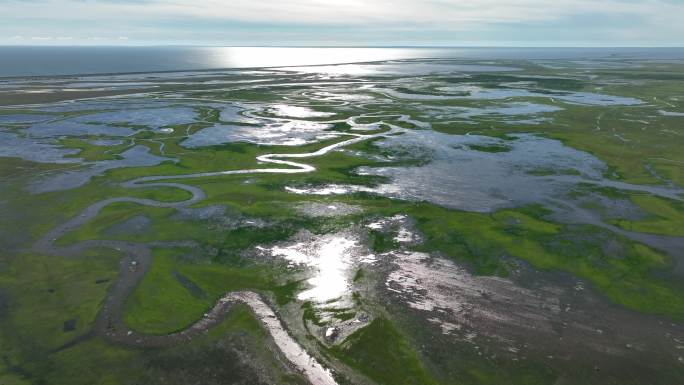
{"x":46,"y":61}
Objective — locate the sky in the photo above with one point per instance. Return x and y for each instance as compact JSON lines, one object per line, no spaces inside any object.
{"x":343,"y":22}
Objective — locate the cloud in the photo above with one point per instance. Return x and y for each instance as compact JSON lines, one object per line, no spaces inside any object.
{"x":345,"y":12}
{"x":646,"y":18}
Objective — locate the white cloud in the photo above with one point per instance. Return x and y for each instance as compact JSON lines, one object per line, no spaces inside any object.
{"x":656,"y":18}
{"x":386,"y":12}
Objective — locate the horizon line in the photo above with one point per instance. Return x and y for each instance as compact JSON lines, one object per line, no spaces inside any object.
{"x":333,"y":46}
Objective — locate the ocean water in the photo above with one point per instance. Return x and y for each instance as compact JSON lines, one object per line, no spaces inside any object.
{"x":17,"y":61}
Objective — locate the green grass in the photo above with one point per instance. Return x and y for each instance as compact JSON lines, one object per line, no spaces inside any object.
{"x":38,"y":294}
{"x":667,"y":216}
{"x":90,"y":152}
{"x":381,"y":242}
{"x":44,"y":292}
{"x":161,"y":304}
{"x":383,"y":354}
{"x":95,"y":361}
{"x":484,"y":241}
{"x":494,"y":148}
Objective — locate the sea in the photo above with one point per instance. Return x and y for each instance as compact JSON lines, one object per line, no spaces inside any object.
{"x":23,"y":61}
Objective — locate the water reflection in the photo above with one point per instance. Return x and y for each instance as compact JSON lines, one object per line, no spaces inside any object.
{"x":403,"y":68}
{"x":244,"y":57}
{"x":137,"y":156}
{"x":483,"y":174}
{"x":43,"y":61}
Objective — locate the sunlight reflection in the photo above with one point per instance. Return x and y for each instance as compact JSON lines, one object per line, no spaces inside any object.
{"x":243,"y":57}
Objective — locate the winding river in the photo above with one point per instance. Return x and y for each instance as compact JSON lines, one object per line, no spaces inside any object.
{"x":138,"y":258}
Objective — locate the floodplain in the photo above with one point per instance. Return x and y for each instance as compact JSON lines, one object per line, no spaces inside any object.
{"x":421,"y":221}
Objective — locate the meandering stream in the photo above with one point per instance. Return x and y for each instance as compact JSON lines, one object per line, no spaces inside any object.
{"x":138,"y":258}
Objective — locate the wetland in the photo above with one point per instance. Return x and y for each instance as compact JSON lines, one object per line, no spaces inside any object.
{"x":404,"y":219}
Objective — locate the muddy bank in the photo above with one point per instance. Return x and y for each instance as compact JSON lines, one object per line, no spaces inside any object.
{"x":531,"y":316}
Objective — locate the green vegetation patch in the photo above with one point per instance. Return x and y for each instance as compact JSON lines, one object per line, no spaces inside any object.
{"x":52,"y":300}
{"x":667,"y":216}
{"x":238,"y":350}
{"x":382,"y":353}
{"x":487,"y":241}
{"x":161,"y":304}
{"x":92,"y":152}
{"x":490,"y":148}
